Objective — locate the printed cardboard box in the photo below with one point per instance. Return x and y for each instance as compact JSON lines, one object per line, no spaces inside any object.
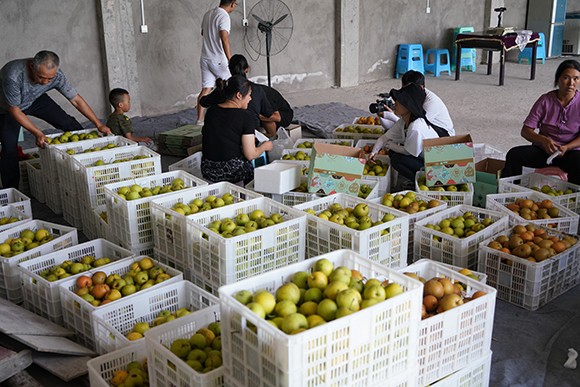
{"x":449,"y":160}
{"x":487,"y":173}
{"x":335,"y":168}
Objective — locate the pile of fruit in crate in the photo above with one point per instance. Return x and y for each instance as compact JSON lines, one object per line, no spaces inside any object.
{"x":199,"y":205}
{"x":313,"y":299}
{"x":6,"y":220}
{"x":27,"y":240}
{"x":360,"y":129}
{"x":69,"y":137}
{"x":530,"y":210}
{"x":308,"y":144}
{"x":100,"y":163}
{"x":363,"y":192}
{"x":546,"y":189}
{"x":137,"y":192}
{"x":370,"y":120}
{"x":377,"y":169}
{"x":422,"y":181}
{"x":68,"y":268}
{"x":244,"y":223}
{"x":164,"y":316}
{"x":134,"y":376}
{"x":461,"y":226}
{"x":441,"y":294}
{"x":93,"y":149}
{"x":103,"y":216}
{"x":531,"y":243}
{"x":408,"y":202}
{"x":100,"y":289}
{"x":300,"y":155}
{"x":203,"y":350}
{"x":357,"y":218}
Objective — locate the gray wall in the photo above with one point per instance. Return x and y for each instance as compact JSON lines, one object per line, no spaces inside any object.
{"x":168,"y":56}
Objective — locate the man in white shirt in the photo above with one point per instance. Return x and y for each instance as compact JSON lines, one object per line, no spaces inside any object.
{"x":216,"y":51}
{"x":435,"y":109}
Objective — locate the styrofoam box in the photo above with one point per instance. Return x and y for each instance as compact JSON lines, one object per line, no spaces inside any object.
{"x":358,"y":136}
{"x":63,"y":161}
{"x":42,"y":296}
{"x":170,"y":227}
{"x":46,"y":158}
{"x":450,"y":249}
{"x":36,"y":179}
{"x":475,"y":374}
{"x":93,"y":225}
{"x":112,"y":322}
{"x":78,"y":313}
{"x":371,"y":347}
{"x":567,"y":222}
{"x":524,"y":183}
{"x":130,"y":220}
{"x":527,"y":284}
{"x":415,"y":217}
{"x":52,"y":194}
{"x":71,"y":207}
{"x":483,"y":151}
{"x":90,"y":180}
{"x":10,"y":284}
{"x":165,"y":368}
{"x":221,"y":261}
{"x":102,"y":369}
{"x":190,"y":164}
{"x":453,"y":339}
{"x":276,"y":178}
{"x":335,"y":141}
{"x":17,"y":199}
{"x":11,"y":212}
{"x":304,"y":165}
{"x":453,"y":198}
{"x":385,"y":243}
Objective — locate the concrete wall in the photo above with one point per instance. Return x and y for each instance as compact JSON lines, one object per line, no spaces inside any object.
{"x":168,"y":55}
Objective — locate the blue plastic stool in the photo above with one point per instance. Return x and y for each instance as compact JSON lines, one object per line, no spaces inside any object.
{"x":540,"y":51}
{"x":437,"y":66}
{"x":261,"y":160}
{"x":468,"y":55}
{"x":410,"y":58}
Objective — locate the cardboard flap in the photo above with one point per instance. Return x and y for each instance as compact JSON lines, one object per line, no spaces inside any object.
{"x":339,"y":150}
{"x":465,"y":138}
{"x":492,"y":166}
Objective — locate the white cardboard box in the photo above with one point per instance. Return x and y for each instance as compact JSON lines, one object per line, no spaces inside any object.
{"x":276,"y":178}
{"x":295,"y":131}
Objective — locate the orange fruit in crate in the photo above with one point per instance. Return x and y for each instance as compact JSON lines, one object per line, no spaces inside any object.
{"x":527,"y":236}
{"x":546,"y":204}
{"x":559,"y":247}
{"x":506,"y":250}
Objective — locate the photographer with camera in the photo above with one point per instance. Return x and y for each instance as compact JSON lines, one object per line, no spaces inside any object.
{"x":435,"y":109}
{"x":405,"y":139}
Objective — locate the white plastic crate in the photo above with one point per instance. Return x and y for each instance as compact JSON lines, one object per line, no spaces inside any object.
{"x":17,"y":199}
{"x":78,"y":313}
{"x":24,"y":183}
{"x":10,"y":283}
{"x":567,"y":222}
{"x":358,"y":136}
{"x":42,"y":296}
{"x":383,"y":181}
{"x":289,"y":198}
{"x":221,"y":261}
{"x":524,"y":183}
{"x":102,"y":369}
{"x":130,"y":220}
{"x":452,"y":340}
{"x":323,"y":140}
{"x":170,"y":227}
{"x":324,"y":236}
{"x":36,"y":179}
{"x":112,"y":322}
{"x":475,"y":374}
{"x":362,"y":143}
{"x":483,"y":151}
{"x":355,"y":120}
{"x":90,"y":180}
{"x":415,"y":217}
{"x":453,"y":198}
{"x":527,"y":284}
{"x":62,"y":161}
{"x":165,"y":368}
{"x":93,"y":225}
{"x":11,"y":212}
{"x":451,"y":249}
{"x":371,"y":347}
{"x":190,"y":164}
{"x":481,"y":277}
{"x":71,"y":207}
{"x":176,"y":264}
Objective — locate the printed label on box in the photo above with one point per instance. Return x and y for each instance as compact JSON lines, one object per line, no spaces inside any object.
{"x":449,"y":160}
{"x":335,"y":168}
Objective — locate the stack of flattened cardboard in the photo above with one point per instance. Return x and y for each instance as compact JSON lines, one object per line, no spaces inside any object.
{"x":176,"y":142}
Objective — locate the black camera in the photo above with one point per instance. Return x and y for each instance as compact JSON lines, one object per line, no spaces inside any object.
{"x":382,"y":104}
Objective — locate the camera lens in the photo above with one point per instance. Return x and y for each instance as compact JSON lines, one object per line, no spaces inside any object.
{"x":373,"y":108}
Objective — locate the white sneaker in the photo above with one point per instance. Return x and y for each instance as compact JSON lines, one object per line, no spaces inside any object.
{"x":199,"y":122}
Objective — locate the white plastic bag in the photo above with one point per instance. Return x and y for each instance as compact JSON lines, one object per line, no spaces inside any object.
{"x":282,"y":142}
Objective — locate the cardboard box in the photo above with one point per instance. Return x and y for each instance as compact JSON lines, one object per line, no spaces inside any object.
{"x":487,"y":173}
{"x":449,"y":160}
{"x":294,"y":131}
{"x":335,"y":168}
{"x":176,"y":142}
{"x":277,"y":178}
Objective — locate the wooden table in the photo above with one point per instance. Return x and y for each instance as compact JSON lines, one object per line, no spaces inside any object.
{"x":493,"y":43}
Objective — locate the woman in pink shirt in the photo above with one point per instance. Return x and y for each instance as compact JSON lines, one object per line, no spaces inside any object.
{"x":557,"y":116}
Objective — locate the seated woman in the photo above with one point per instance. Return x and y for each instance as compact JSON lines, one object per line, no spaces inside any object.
{"x":557,"y":116}
{"x":405,"y":139}
{"x":228,"y":142}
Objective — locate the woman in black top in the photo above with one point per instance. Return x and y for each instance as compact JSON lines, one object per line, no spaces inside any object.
{"x":228,"y":141}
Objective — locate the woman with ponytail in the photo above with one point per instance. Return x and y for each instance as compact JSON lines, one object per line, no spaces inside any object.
{"x":228,"y":142}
